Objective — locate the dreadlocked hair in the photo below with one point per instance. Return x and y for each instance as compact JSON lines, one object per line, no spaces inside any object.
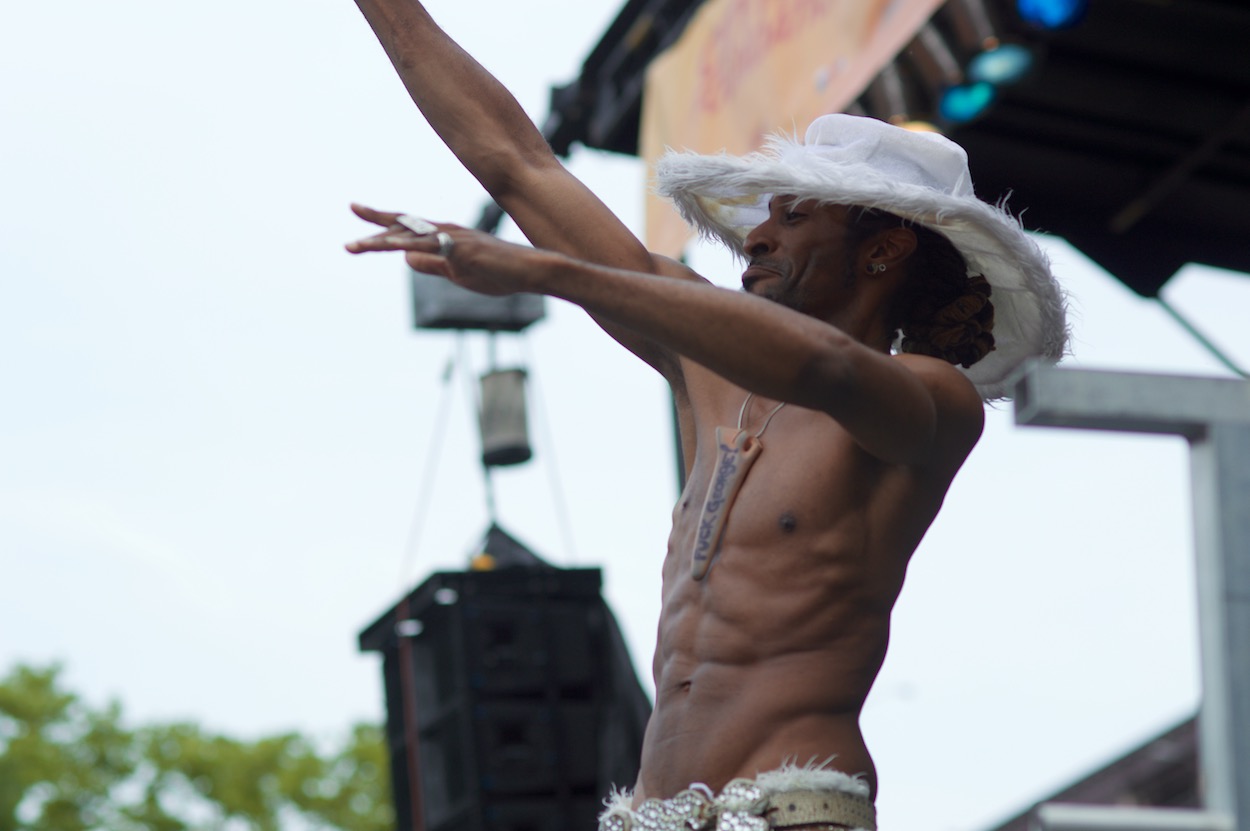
{"x":941,"y":310}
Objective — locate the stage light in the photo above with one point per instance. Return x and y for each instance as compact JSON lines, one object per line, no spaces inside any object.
{"x":965,"y":102}
{"x":1003,"y":65}
{"x":1052,"y":14}
{"x":918,"y":126}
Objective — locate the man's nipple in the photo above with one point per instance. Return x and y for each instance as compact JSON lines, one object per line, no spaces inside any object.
{"x":787,"y":522}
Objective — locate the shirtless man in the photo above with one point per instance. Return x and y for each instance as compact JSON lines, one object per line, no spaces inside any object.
{"x":776,"y":601}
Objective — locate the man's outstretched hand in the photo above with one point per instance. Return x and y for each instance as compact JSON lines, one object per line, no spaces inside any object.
{"x":468,"y":258}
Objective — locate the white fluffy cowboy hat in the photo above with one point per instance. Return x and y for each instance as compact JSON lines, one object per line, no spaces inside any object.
{"x":920,"y":176}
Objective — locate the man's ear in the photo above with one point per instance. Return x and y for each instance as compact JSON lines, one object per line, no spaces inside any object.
{"x":892,"y":246}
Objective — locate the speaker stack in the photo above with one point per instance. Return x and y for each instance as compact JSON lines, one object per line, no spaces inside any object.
{"x":512,"y":703}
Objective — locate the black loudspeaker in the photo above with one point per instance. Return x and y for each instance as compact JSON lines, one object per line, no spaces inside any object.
{"x":512,"y":703}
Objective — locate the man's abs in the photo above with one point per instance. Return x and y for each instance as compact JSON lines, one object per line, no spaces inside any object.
{"x":766,"y":660}
{"x":714,"y":723}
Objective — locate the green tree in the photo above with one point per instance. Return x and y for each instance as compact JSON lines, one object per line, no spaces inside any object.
{"x":67,"y":767}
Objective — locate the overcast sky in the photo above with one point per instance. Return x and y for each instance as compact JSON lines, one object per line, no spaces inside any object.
{"x":220,"y":455}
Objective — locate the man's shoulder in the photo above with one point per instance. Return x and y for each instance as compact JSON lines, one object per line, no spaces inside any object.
{"x":937,"y":372}
{"x":959,"y":407}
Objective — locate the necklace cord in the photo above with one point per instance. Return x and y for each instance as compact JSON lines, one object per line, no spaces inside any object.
{"x":742,"y":414}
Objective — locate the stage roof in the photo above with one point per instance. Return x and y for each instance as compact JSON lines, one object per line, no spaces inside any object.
{"x":1131,"y":139}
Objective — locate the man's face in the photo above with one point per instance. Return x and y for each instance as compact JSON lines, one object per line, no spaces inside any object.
{"x":799,"y":256}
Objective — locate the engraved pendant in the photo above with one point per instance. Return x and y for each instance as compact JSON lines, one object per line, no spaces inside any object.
{"x":734,"y":457}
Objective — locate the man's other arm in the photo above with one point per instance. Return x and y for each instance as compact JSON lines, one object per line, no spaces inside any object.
{"x":906,"y":409}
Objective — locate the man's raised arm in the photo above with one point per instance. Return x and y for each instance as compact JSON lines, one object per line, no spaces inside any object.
{"x":496,"y":141}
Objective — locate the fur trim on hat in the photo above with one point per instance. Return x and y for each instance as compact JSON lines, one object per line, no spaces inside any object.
{"x":922,"y":177}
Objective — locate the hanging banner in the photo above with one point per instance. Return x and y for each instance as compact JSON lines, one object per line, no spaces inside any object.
{"x":745,"y":69}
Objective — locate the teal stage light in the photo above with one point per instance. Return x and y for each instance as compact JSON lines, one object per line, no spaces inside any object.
{"x":966,"y":101}
{"x":1005,"y":64}
{"x":1052,"y":14}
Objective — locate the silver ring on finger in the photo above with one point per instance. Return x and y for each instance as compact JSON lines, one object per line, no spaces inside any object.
{"x":445,"y":244}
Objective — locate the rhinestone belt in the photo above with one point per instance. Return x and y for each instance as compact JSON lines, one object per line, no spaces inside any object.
{"x":743,"y":806}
